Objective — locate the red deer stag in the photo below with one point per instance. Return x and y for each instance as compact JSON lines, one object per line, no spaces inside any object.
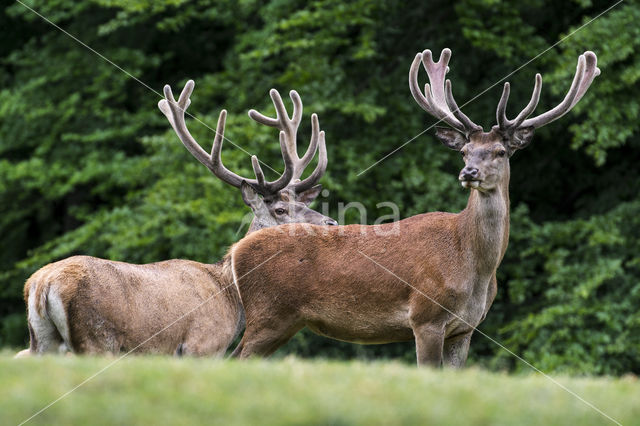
{"x":433,"y":280}
{"x":90,"y":305}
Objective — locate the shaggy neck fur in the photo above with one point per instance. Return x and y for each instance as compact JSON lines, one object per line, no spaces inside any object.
{"x":486,"y":218}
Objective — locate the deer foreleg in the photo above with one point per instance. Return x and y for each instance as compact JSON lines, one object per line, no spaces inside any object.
{"x":429,"y":344}
{"x":456,"y":349}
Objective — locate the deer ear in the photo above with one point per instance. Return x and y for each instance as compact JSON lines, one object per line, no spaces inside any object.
{"x":521,"y":137}
{"x":309,"y":195}
{"x":451,"y":138}
{"x":250,"y":195}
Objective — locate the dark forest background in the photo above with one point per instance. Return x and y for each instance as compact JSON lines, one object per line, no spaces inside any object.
{"x":89,"y":165}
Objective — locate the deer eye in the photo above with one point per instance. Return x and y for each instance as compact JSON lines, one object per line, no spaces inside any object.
{"x":280,"y":211}
{"x":501,"y":153}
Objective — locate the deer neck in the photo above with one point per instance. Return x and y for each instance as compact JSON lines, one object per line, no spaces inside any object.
{"x":259,"y":223}
{"x":254,"y":226}
{"x":486,"y":221}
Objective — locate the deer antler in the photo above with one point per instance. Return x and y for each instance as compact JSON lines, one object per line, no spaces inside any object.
{"x":288,"y":138}
{"x":174,"y":111}
{"x":586,"y":71}
{"x":438,"y":99}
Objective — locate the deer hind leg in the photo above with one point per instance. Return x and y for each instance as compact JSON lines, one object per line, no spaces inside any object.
{"x":456,"y":349}
{"x":44,"y":336}
{"x":238,"y":350}
{"x":44,"y":333}
{"x":264,"y":341}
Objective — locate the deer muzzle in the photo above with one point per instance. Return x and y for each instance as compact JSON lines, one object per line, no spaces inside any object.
{"x":469,"y":177}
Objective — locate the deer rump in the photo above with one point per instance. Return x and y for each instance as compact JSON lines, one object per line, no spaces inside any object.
{"x":90,"y":305}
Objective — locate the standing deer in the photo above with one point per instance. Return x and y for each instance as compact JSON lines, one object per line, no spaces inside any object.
{"x":90,"y":305}
{"x":432,"y":281}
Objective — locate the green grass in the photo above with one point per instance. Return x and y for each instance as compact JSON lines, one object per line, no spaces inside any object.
{"x":154,"y":390}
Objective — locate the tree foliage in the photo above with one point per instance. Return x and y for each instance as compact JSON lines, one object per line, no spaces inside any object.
{"x":89,"y":165}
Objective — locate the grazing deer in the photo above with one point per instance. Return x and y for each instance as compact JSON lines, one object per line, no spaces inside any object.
{"x":433,"y":280}
{"x":90,"y":305}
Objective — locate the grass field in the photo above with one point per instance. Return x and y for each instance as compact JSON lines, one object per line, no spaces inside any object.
{"x":154,"y":390}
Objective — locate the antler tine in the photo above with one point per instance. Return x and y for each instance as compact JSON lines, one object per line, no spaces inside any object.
{"x":296,"y":117}
{"x":264,"y":187}
{"x":425,"y":99}
{"x":586,"y":71}
{"x":289,"y":168}
{"x":174,"y":111}
{"x":214,"y":162}
{"x":533,"y":103}
{"x":164,"y":107}
{"x":501,"y":111}
{"x":590,"y":73}
{"x":263,"y":119}
{"x":289,"y":127}
{"x":413,"y":85}
{"x":457,"y":112}
{"x":434,"y":100}
{"x":313,"y":143}
{"x":436,"y":72}
{"x":320,"y":169}
{"x":255,"y":163}
{"x":282,"y":120}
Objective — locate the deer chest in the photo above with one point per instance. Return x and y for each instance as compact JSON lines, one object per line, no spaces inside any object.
{"x":470,"y":310}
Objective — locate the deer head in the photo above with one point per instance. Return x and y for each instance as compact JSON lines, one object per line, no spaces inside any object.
{"x":285,"y":200}
{"x":486,"y":154}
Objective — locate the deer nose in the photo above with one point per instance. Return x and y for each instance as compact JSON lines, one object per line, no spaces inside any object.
{"x":331,"y":222}
{"x":469,"y":173}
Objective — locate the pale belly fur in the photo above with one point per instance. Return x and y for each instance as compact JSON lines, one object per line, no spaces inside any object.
{"x":392,"y":322}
